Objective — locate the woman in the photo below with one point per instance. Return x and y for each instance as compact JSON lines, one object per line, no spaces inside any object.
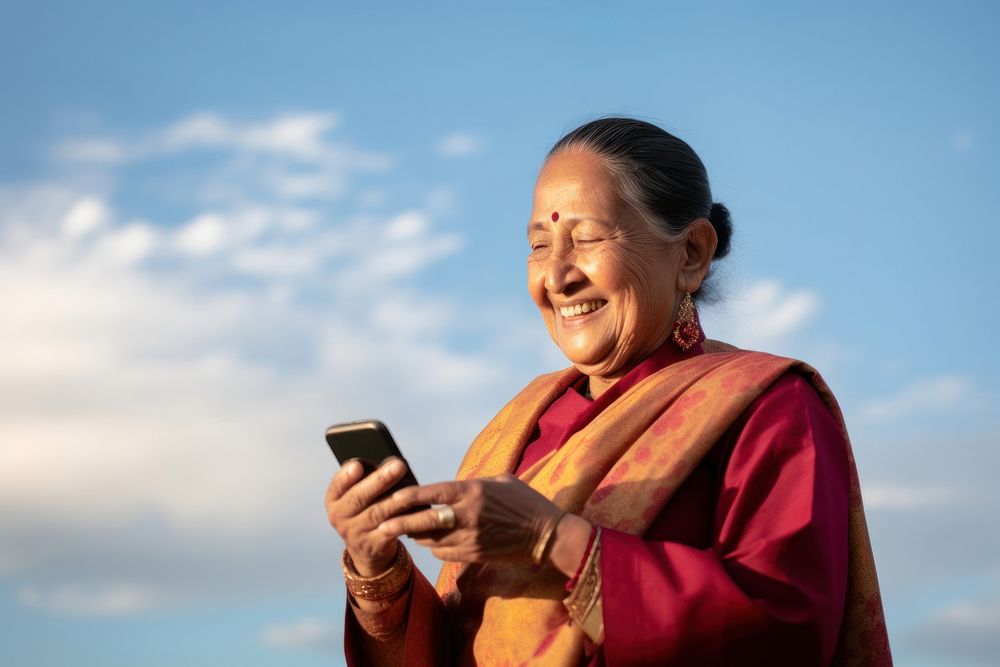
{"x":666,"y":500}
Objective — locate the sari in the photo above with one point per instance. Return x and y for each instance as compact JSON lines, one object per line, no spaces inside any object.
{"x":620,"y":471}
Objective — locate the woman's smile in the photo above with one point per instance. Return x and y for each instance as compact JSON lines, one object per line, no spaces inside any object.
{"x":604,"y":284}
{"x":575,"y":310}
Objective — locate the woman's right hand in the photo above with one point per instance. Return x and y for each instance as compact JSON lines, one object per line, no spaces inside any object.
{"x":353,"y":511}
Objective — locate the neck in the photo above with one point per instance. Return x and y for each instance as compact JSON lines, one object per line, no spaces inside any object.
{"x":599,"y":385}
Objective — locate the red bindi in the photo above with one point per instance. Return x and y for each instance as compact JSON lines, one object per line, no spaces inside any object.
{"x":555,"y":216}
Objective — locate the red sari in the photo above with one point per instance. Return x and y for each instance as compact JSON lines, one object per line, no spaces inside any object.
{"x":746,"y":563}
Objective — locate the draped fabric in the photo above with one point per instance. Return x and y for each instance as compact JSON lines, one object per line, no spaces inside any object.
{"x":620,"y":471}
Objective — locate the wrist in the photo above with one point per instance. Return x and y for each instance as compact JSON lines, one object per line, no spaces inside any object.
{"x":371,"y":567}
{"x":570,"y":543}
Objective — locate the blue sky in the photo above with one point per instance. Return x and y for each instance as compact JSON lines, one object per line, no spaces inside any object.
{"x":224,"y":227}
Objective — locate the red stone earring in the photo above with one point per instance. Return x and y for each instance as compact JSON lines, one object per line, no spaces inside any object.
{"x":686,"y":330}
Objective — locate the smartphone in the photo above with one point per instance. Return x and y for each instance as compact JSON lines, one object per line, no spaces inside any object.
{"x":369,"y":442}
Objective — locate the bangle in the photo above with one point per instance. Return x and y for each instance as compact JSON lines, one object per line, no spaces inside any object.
{"x":571,"y":584}
{"x":381,"y":586}
{"x":587,"y":591}
{"x":545,"y":539}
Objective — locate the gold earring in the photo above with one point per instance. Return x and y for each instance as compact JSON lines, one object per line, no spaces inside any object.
{"x":686,"y":329}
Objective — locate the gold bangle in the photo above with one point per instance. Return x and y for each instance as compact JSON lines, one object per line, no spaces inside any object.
{"x":381,"y":586}
{"x":580,"y":602}
{"x":545,"y":538}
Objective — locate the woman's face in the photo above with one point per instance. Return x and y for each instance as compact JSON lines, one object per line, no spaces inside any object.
{"x":605,"y":284}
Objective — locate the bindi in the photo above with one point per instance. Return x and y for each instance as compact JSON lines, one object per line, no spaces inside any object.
{"x":555,"y":216}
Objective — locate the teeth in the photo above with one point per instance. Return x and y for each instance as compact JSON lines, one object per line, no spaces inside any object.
{"x":581,"y":308}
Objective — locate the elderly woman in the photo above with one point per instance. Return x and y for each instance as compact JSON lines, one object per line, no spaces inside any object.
{"x":665,"y":500}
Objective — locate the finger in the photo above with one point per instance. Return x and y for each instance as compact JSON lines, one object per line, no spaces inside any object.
{"x":343,"y":479}
{"x":434,"y":539}
{"x":360,"y":496}
{"x":454,"y":555}
{"x":417,"y":523}
{"x":442,"y":493}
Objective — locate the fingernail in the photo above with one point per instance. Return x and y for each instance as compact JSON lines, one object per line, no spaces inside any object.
{"x":395,"y":466}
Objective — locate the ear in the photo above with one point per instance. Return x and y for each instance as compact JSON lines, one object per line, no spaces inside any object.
{"x":696,"y":254}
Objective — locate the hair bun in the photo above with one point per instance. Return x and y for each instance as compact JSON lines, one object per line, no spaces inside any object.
{"x":723,"y":223}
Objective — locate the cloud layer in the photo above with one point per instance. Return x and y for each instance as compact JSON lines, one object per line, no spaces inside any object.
{"x":169,"y":380}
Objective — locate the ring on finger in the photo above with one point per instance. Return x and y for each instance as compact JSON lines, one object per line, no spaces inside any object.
{"x":446,"y":517}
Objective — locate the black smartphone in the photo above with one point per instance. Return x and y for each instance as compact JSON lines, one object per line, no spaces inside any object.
{"x":369,"y":442}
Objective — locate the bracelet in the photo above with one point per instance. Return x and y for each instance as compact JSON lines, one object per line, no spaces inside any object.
{"x":381,"y":586}
{"x":587,"y":591}
{"x":545,"y":539}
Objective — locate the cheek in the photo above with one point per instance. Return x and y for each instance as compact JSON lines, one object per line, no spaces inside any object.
{"x":642,"y":282}
{"x":536,"y":283}
{"x":619,"y":271}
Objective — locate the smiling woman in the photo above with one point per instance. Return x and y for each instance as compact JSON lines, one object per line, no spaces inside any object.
{"x":603,"y":279}
{"x":665,"y":500}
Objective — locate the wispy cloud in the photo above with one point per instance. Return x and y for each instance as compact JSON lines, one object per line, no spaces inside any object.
{"x":101,"y":600}
{"x":968,"y":631}
{"x":302,"y":136}
{"x":169,"y":382}
{"x":306,"y":633}
{"x":761,"y":314}
{"x":291,"y":156}
{"x":926,"y":394}
{"x":460,"y":144}
{"x":898,"y":496}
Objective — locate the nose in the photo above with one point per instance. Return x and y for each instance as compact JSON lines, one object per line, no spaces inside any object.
{"x":562,"y":272}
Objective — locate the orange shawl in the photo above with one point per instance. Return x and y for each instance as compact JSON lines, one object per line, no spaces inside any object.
{"x":620,"y":471}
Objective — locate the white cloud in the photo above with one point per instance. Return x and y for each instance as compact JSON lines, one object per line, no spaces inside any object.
{"x":927,"y":394}
{"x":897,"y":496}
{"x":307,"y":633}
{"x":405,"y":226}
{"x":290,"y":156}
{"x":966,"y":631}
{"x":169,"y":386}
{"x":407,"y":251}
{"x":87,"y":216}
{"x":95,"y":150}
{"x":205,"y":235}
{"x":296,"y":135}
{"x":105,"y":600}
{"x":203,"y":129}
{"x":130,"y":244}
{"x":981,"y":616}
{"x":761,"y":314}
{"x":460,"y":144}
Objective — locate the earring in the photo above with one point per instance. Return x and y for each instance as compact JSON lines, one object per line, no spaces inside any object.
{"x":686,"y":330}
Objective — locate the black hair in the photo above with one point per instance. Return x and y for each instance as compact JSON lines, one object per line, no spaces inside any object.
{"x":659,"y":176}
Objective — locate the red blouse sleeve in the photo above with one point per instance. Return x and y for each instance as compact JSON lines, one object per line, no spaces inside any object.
{"x":769,"y":586}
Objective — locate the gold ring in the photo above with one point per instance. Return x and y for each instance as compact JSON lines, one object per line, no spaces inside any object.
{"x":446,"y":517}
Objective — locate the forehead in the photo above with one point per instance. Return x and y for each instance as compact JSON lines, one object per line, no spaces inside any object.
{"x":574,"y":180}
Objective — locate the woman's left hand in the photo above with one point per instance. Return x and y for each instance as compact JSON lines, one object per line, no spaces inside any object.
{"x":496,"y":518}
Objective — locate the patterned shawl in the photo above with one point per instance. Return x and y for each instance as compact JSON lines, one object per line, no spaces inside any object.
{"x":620,"y":471}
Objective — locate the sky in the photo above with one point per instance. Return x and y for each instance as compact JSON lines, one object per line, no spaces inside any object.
{"x":225,"y":226}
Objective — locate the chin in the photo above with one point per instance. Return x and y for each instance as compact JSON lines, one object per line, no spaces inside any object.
{"x":584,"y":357}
